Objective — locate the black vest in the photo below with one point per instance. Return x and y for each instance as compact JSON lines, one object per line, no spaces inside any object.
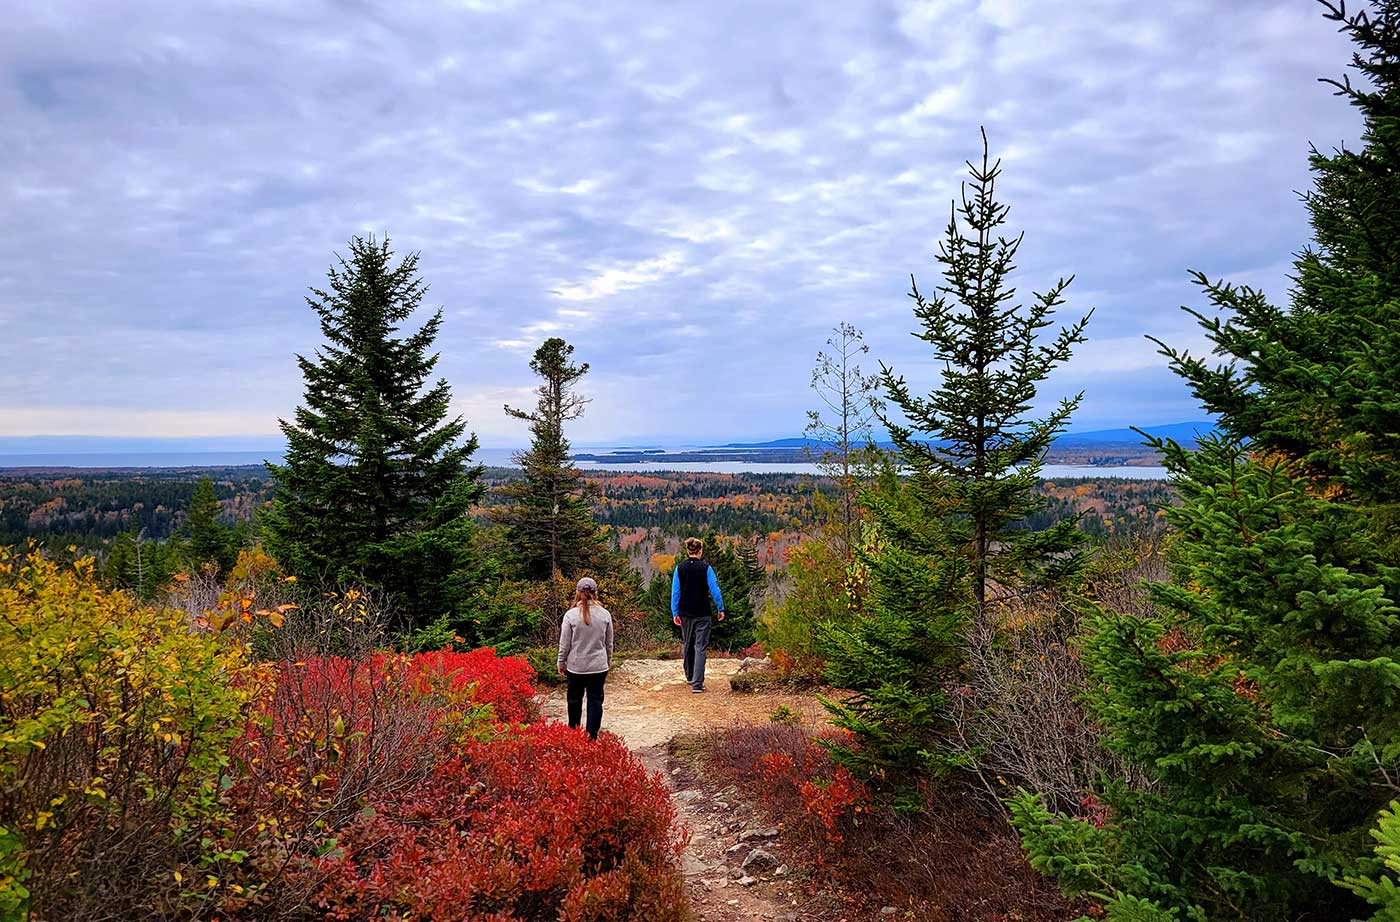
{"x":695,"y":588}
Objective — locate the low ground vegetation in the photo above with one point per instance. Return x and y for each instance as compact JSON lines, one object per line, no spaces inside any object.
{"x":952,"y":860}
{"x":155,"y":767}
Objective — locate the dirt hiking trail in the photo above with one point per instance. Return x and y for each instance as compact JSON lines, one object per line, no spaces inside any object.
{"x":733,"y":864}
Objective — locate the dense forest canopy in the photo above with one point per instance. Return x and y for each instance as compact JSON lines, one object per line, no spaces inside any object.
{"x":91,"y":507}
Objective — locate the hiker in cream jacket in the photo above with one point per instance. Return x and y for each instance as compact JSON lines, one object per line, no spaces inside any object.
{"x":585,"y":654}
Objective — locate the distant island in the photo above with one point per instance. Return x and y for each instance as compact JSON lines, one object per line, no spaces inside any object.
{"x":1098,"y":448}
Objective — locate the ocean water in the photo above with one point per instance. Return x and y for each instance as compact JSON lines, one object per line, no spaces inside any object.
{"x":136,"y":459}
{"x":499,"y":457}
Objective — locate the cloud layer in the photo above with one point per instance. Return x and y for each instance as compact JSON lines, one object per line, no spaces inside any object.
{"x":691,"y":193}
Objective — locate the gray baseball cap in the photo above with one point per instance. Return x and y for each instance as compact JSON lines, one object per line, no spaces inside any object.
{"x":587,"y":583}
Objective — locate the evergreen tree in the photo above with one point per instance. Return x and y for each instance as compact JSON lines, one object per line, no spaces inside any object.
{"x":950,"y":540}
{"x":1319,"y":383}
{"x":550,"y":527}
{"x":375,"y":486}
{"x":139,"y":565}
{"x":1381,"y":886}
{"x":207,"y":540}
{"x":1262,"y":701}
{"x":741,"y":578}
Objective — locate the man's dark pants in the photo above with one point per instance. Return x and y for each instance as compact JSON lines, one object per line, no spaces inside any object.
{"x":695,"y":640}
{"x":591,"y":682}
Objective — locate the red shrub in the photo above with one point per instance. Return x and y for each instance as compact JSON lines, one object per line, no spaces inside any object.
{"x":754,"y":651}
{"x":777,"y":768}
{"x":342,"y":707}
{"x":385,"y":787}
{"x":339,"y":734}
{"x":507,"y":683}
{"x":802,"y":783}
{"x":540,"y":823}
{"x":831,"y":801}
{"x":337,"y":729}
{"x":797,"y":670}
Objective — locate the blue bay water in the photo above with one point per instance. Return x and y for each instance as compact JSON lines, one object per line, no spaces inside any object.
{"x":499,"y":457}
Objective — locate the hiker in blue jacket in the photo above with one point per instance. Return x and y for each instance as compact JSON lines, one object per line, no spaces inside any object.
{"x":693,"y":585}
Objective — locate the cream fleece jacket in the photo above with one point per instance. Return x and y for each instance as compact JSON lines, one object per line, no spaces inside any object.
{"x":585,"y":648}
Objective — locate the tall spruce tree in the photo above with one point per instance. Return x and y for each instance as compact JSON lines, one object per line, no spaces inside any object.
{"x":949,"y":542}
{"x":1321,"y":382}
{"x":551,"y":529}
{"x":1262,"y":702}
{"x":376,"y":485}
{"x":208,"y":541}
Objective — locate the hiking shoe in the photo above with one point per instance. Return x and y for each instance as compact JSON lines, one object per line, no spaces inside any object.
{"x":697,"y":690}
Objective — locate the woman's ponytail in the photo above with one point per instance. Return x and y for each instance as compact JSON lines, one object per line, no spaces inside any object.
{"x":585,"y":592}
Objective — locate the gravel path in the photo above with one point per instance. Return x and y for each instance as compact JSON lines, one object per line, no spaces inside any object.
{"x":648,"y":704}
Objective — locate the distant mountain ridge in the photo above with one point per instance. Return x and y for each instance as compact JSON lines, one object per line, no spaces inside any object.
{"x":271,"y":446}
{"x":1186,"y":433}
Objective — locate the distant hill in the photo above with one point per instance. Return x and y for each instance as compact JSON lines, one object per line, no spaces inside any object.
{"x":1185,"y":433}
{"x":798,"y":442}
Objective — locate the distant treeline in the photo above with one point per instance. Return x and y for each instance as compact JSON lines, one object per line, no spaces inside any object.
{"x":1090,"y":453}
{"x":1109,"y":506}
{"x":90,"y":508}
{"x":674,"y":501}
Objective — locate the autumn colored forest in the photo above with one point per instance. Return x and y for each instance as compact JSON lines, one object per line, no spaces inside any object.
{"x":93,"y":509}
{"x":957,"y":689}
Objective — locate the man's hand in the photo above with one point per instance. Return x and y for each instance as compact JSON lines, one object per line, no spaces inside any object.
{"x":561,"y":670}
{"x":721,"y":616}
{"x":676,"y":620}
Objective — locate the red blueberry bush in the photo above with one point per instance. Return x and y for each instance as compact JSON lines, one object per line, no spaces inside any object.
{"x":341,"y":727}
{"x":152,"y":767}
{"x":537,"y":824}
{"x":801,"y":781}
{"x":410,"y":787}
{"x":506,"y":683}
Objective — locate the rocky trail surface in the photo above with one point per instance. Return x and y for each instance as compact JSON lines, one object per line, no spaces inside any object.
{"x":733,"y":863}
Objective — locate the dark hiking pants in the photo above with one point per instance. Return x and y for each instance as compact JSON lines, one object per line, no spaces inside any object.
{"x":695,"y":640}
{"x":592,"y":683}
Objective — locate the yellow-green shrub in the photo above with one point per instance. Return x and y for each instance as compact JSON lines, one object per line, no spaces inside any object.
{"x":116,"y":719}
{"x":818,"y":576}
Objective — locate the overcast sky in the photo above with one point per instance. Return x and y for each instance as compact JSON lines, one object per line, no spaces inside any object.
{"x":692,"y":193}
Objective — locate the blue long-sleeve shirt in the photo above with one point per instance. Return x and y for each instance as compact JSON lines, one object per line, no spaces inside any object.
{"x":676,"y":590}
